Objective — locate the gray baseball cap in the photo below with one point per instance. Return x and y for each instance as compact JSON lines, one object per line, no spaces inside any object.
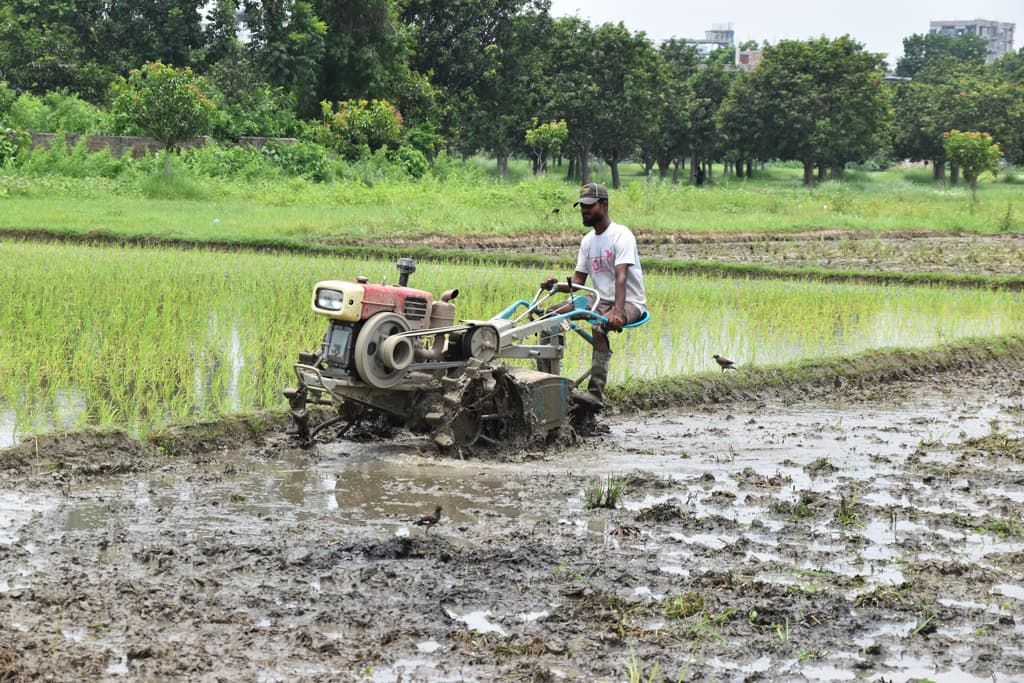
{"x":592,"y":193}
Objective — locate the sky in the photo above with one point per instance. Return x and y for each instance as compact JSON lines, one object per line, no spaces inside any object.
{"x":880,"y":25}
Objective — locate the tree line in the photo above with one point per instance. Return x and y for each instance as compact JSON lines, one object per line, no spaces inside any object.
{"x":498,"y":76}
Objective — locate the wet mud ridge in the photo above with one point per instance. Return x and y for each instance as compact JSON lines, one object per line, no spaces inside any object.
{"x":870,"y":534}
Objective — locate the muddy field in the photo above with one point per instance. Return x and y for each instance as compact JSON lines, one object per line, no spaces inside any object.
{"x":876,"y":534}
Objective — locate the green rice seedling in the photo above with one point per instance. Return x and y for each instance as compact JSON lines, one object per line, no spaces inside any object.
{"x":606,"y":494}
{"x":683,"y":606}
{"x":142,"y":337}
{"x":1005,"y":527}
{"x":846,"y":515}
{"x":635,"y":670}
{"x":926,"y":624}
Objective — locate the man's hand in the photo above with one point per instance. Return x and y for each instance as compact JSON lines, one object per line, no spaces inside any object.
{"x":549,"y":283}
{"x":616,"y":320}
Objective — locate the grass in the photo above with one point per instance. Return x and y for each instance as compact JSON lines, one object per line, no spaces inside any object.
{"x":143,"y":337}
{"x":606,"y":494}
{"x":296,"y":212}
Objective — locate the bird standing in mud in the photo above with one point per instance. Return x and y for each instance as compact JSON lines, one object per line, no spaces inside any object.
{"x":429,"y":520}
{"x":724,"y":363}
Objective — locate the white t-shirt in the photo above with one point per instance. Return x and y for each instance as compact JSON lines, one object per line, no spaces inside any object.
{"x":599,"y":254}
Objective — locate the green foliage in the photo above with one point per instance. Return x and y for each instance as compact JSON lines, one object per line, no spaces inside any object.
{"x":356,"y":128}
{"x":846,"y":515}
{"x":7,"y":97}
{"x":29,"y":112}
{"x":73,"y":161}
{"x":259,"y":112}
{"x":366,"y":48}
{"x":934,"y":52}
{"x":820,"y":102}
{"x":1011,"y":66}
{"x":287,"y":44}
{"x":485,"y":59}
{"x":71,"y":114}
{"x":412,"y":160}
{"x":57,"y":112}
{"x":170,"y":105}
{"x":302,"y":159}
{"x":274,"y":161}
{"x":683,"y":606}
{"x":12,"y":142}
{"x":974,"y":152}
{"x":229,"y":161}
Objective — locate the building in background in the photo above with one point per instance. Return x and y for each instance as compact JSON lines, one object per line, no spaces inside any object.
{"x":999,"y":34}
{"x":747,"y":60}
{"x":720,"y":35}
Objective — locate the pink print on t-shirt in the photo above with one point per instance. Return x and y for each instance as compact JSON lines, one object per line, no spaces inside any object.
{"x":600,"y":263}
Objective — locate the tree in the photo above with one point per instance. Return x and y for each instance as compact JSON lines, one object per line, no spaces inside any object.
{"x":12,"y":142}
{"x":250,"y":105}
{"x":544,"y":140}
{"x":47,"y":46}
{"x":366,"y":52}
{"x":938,"y":52}
{"x":510,"y":91}
{"x":483,"y":56}
{"x":220,"y":33}
{"x":822,"y":102}
{"x":667,"y":141}
{"x":167,"y":104}
{"x":740,"y":128}
{"x":574,"y":92}
{"x":287,"y":45}
{"x":975,"y":153}
{"x":853,"y":101}
{"x":921,"y":116}
{"x":626,"y":70}
{"x":81,"y":45}
{"x":133,"y":32}
{"x":1010,"y":66}
{"x":709,"y":87}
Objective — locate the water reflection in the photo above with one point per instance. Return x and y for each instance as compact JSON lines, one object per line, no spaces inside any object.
{"x":65,"y":410}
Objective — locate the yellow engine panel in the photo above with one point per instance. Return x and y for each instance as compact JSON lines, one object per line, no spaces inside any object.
{"x":347,"y":296}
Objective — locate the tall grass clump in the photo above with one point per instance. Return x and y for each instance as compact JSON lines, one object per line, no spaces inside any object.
{"x":173,"y":185}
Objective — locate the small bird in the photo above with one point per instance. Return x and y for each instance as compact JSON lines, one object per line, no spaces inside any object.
{"x":724,"y":363}
{"x":429,"y":520}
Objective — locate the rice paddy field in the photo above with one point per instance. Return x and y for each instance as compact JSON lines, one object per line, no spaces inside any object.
{"x":847,"y":505}
{"x":144,"y":337}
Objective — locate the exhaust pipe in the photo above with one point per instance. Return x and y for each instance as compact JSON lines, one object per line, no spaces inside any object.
{"x":406,"y":266}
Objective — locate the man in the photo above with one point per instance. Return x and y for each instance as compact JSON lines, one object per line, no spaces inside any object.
{"x":608,"y":255}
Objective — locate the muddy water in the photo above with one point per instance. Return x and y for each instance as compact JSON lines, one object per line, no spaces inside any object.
{"x":856,"y":538}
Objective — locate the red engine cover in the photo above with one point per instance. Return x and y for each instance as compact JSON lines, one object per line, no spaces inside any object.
{"x":413,"y":304}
